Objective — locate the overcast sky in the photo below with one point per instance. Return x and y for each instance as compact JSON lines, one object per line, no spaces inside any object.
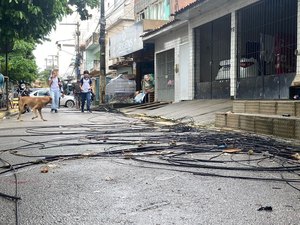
{"x":65,"y":35}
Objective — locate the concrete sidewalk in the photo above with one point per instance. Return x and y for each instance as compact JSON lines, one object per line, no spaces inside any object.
{"x":200,"y":112}
{"x":5,"y":113}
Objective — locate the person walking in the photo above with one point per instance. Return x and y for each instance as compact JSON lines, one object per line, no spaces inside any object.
{"x":77,"y":94}
{"x":86,"y":89}
{"x":55,"y":89}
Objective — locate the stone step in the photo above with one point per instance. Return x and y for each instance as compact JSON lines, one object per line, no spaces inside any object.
{"x":271,"y":107}
{"x":281,"y":126}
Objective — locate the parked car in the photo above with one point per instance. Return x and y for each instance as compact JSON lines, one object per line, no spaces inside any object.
{"x":248,"y":68}
{"x":65,"y":100}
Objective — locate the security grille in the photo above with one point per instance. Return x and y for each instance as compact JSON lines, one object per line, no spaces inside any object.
{"x":165,"y":76}
{"x":212,"y":59}
{"x":266,"y":49}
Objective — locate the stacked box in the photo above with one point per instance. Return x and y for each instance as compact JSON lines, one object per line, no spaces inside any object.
{"x":264,"y":125}
{"x":221,"y":120}
{"x":297,"y":129}
{"x":252,"y":107}
{"x":233,"y":120}
{"x":267,"y":107}
{"x":297,"y":109}
{"x":284,"y":107}
{"x":239,"y":106}
{"x":247,"y":122}
{"x":284,"y":127}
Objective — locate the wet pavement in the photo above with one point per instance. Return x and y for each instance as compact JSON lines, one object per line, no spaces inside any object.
{"x":108,"y":168}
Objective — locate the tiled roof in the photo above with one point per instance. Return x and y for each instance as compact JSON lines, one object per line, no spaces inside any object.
{"x":159,"y":28}
{"x":189,"y":6}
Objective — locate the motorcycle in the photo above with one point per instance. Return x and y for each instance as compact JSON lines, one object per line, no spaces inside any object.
{"x":23,"y":90}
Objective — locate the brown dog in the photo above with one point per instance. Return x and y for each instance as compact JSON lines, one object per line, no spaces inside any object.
{"x":35,"y":103}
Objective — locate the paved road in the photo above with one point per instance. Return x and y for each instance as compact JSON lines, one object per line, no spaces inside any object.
{"x":105,"y":168}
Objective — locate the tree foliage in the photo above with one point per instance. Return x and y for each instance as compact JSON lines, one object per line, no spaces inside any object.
{"x":21,"y":63}
{"x":43,"y":76}
{"x":81,"y":7}
{"x":34,"y":19}
{"x":26,"y":22}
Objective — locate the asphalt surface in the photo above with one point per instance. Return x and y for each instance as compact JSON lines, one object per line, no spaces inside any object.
{"x":106,"y":168}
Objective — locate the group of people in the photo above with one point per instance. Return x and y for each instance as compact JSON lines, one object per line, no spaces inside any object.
{"x":83,"y":91}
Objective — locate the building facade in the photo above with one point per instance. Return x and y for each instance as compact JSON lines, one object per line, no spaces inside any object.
{"x":128,"y":44}
{"x":242,"y":49}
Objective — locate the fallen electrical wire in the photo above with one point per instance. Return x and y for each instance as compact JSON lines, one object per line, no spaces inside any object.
{"x":179,"y":148}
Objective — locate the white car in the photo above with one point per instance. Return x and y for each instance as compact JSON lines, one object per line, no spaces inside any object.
{"x":65,"y":100}
{"x":248,"y":68}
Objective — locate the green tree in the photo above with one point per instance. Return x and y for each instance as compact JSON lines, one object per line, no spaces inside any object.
{"x":21,"y":63}
{"x":43,"y":76}
{"x":34,"y":19}
{"x":24,"y":22}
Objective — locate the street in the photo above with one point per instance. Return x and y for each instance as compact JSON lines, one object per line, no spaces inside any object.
{"x":107,"y":168}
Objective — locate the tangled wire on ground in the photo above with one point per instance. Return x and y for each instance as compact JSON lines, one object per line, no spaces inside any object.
{"x":178,"y":148}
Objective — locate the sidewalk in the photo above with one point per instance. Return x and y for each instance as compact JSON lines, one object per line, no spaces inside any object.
{"x":4,"y":113}
{"x":199,"y":112}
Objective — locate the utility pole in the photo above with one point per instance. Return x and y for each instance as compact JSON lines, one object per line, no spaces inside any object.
{"x":78,"y":55}
{"x":8,"y":48}
{"x":6,"y":73}
{"x":102,"y":77}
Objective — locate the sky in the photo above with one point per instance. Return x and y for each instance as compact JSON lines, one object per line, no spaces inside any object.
{"x":64,"y":34}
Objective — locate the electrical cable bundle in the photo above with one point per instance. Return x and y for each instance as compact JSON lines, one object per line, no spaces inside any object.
{"x":177,"y":148}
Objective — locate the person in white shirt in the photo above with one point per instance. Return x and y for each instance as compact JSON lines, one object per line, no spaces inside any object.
{"x":55,"y":89}
{"x":86,"y":90}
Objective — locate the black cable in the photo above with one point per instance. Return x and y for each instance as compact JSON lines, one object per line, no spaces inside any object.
{"x":15,"y":197}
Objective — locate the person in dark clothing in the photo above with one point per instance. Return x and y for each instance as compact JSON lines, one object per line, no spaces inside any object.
{"x":86,"y":90}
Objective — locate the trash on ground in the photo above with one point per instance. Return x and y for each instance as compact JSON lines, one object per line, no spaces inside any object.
{"x":265,"y":208}
{"x":232,"y":150}
{"x":296,"y":156}
{"x":44,"y":169}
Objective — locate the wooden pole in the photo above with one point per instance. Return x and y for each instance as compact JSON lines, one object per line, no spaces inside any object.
{"x":102,"y":78}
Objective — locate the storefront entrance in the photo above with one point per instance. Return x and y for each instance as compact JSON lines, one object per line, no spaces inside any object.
{"x":165,"y":76}
{"x":266,"y":49}
{"x":212,"y":59}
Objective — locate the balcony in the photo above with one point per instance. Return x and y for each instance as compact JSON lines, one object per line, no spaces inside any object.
{"x":92,"y":42}
{"x":95,"y":70}
{"x":121,"y":62}
{"x":96,"y":65}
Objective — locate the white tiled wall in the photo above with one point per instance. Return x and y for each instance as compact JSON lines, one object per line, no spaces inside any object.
{"x":233,"y":59}
{"x":172,"y":40}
